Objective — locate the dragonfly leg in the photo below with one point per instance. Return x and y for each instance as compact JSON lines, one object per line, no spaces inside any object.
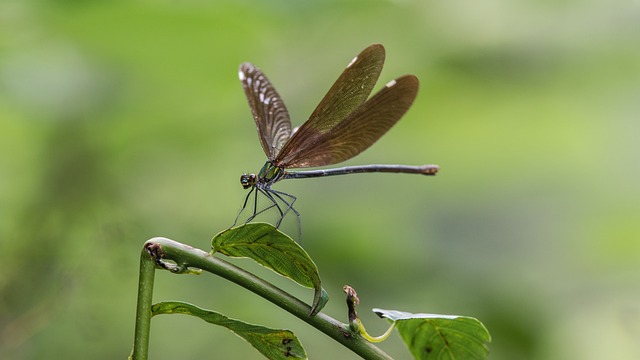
{"x":257,"y":212}
{"x":282,"y":201}
{"x":280,"y":195}
{"x":274,"y":203}
{"x":244,"y":206}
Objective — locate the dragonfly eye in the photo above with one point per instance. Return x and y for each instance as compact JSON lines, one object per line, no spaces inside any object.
{"x":247,"y":180}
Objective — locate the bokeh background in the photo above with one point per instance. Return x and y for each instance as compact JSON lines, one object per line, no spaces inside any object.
{"x":124,"y":120}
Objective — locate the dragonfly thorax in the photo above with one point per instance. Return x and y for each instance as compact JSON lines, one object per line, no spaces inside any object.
{"x":269,"y":174}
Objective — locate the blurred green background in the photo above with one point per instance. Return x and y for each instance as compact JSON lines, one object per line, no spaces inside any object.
{"x":124,"y":120}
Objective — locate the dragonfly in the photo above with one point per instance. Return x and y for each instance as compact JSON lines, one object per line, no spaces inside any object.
{"x":345,"y":123}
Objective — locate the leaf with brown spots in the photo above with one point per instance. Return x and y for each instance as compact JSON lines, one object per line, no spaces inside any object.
{"x":274,"y":344}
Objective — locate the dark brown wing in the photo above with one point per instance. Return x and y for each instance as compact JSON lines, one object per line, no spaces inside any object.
{"x":307,"y":147}
{"x":362,"y":128}
{"x":268,"y":109}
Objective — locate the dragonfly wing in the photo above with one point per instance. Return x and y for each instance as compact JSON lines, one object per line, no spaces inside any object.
{"x":361,"y":128}
{"x":347,"y":94}
{"x":268,"y":109}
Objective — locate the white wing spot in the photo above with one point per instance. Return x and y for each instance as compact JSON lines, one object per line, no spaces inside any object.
{"x":390,"y":83}
{"x":241,"y":75}
{"x":352,"y":61}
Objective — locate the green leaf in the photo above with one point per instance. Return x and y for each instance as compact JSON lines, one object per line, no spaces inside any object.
{"x":431,"y":336}
{"x":272,"y":343}
{"x":275,"y":250}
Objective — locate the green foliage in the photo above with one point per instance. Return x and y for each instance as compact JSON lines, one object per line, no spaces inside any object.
{"x":275,"y":250}
{"x":450,"y":337}
{"x":432,"y":336}
{"x":273,"y":343}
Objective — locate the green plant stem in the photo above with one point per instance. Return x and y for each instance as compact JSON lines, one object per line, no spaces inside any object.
{"x":186,"y":256}
{"x":143,"y":311}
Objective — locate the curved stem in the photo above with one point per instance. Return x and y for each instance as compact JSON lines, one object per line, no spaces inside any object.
{"x":375,"y":339}
{"x":186,"y":256}
{"x":143,"y":312}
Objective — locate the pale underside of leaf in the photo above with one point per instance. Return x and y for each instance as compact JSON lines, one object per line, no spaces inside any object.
{"x":432,"y":336}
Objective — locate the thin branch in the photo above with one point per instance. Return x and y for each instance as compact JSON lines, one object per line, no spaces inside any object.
{"x":143,"y":312}
{"x":186,"y":256}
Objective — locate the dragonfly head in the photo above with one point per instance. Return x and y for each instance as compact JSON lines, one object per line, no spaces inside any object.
{"x":247,"y":180}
